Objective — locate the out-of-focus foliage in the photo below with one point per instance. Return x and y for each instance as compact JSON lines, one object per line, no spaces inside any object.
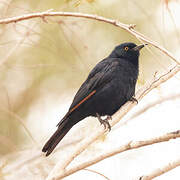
{"x":42,"y":63}
{"x":40,"y":60}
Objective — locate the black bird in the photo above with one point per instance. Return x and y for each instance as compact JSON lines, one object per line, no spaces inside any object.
{"x":109,"y":85}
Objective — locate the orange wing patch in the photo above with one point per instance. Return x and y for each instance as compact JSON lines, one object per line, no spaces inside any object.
{"x":86,"y":98}
{"x":75,"y":107}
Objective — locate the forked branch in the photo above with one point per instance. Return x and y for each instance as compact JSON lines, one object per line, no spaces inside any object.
{"x":128,"y":146}
{"x":59,"y":171}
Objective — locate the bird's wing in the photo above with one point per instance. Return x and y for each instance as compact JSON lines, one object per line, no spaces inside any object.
{"x":98,"y":77}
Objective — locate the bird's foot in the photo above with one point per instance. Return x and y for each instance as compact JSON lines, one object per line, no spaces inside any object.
{"x":105,"y":122}
{"x":133,"y":99}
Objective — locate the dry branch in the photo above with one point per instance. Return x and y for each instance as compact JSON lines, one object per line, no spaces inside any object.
{"x":157,"y":172}
{"x":21,"y":121}
{"x":59,"y":169}
{"x":90,"y":170}
{"x":157,"y":102}
{"x":126,"y":27}
{"x":128,"y":146}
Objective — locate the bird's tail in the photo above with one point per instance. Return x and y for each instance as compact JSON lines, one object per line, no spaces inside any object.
{"x":62,"y":130}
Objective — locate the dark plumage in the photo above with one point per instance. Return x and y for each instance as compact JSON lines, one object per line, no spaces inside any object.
{"x":109,"y":85}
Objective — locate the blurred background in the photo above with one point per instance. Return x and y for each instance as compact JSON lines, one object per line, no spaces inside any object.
{"x":43,"y":62}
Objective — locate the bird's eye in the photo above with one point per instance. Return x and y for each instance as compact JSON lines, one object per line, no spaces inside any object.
{"x":126,"y":48}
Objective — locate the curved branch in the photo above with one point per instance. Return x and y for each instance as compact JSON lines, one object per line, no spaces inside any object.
{"x":151,"y":105}
{"x":16,"y":117}
{"x":126,"y":27}
{"x":129,"y":28}
{"x":128,"y":146}
{"x":59,"y":169}
{"x":90,"y":170}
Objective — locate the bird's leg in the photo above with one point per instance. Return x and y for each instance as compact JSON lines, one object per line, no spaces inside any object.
{"x":105,"y":122}
{"x":108,"y":118}
{"x":133,"y":99}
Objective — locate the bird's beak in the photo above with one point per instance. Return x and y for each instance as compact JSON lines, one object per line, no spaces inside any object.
{"x":138,"y":48}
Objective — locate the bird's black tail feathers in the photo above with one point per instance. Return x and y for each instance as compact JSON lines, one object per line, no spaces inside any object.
{"x":62,"y":130}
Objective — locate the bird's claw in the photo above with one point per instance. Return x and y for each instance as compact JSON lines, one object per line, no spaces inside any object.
{"x":105,"y":122}
{"x":133,"y":99}
{"x":108,"y":118}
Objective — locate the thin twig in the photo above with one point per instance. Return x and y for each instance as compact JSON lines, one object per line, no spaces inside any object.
{"x":159,"y":101}
{"x":90,"y":170}
{"x":173,"y":21}
{"x":128,"y":146}
{"x":59,"y":169}
{"x":148,"y":106}
{"x":36,"y":156}
{"x":126,"y":27}
{"x":129,"y":28}
{"x":157,"y":172}
{"x":16,"y":117}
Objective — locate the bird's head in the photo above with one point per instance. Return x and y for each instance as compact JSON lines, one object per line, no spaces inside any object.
{"x":128,"y":51}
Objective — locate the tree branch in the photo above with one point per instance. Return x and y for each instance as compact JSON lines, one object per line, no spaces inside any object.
{"x":59,"y":169}
{"x":128,"y":146}
{"x":128,"y":28}
{"x":162,"y":170}
{"x":129,"y":105}
{"x":21,"y":121}
{"x":151,"y":105}
{"x":90,"y":170}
